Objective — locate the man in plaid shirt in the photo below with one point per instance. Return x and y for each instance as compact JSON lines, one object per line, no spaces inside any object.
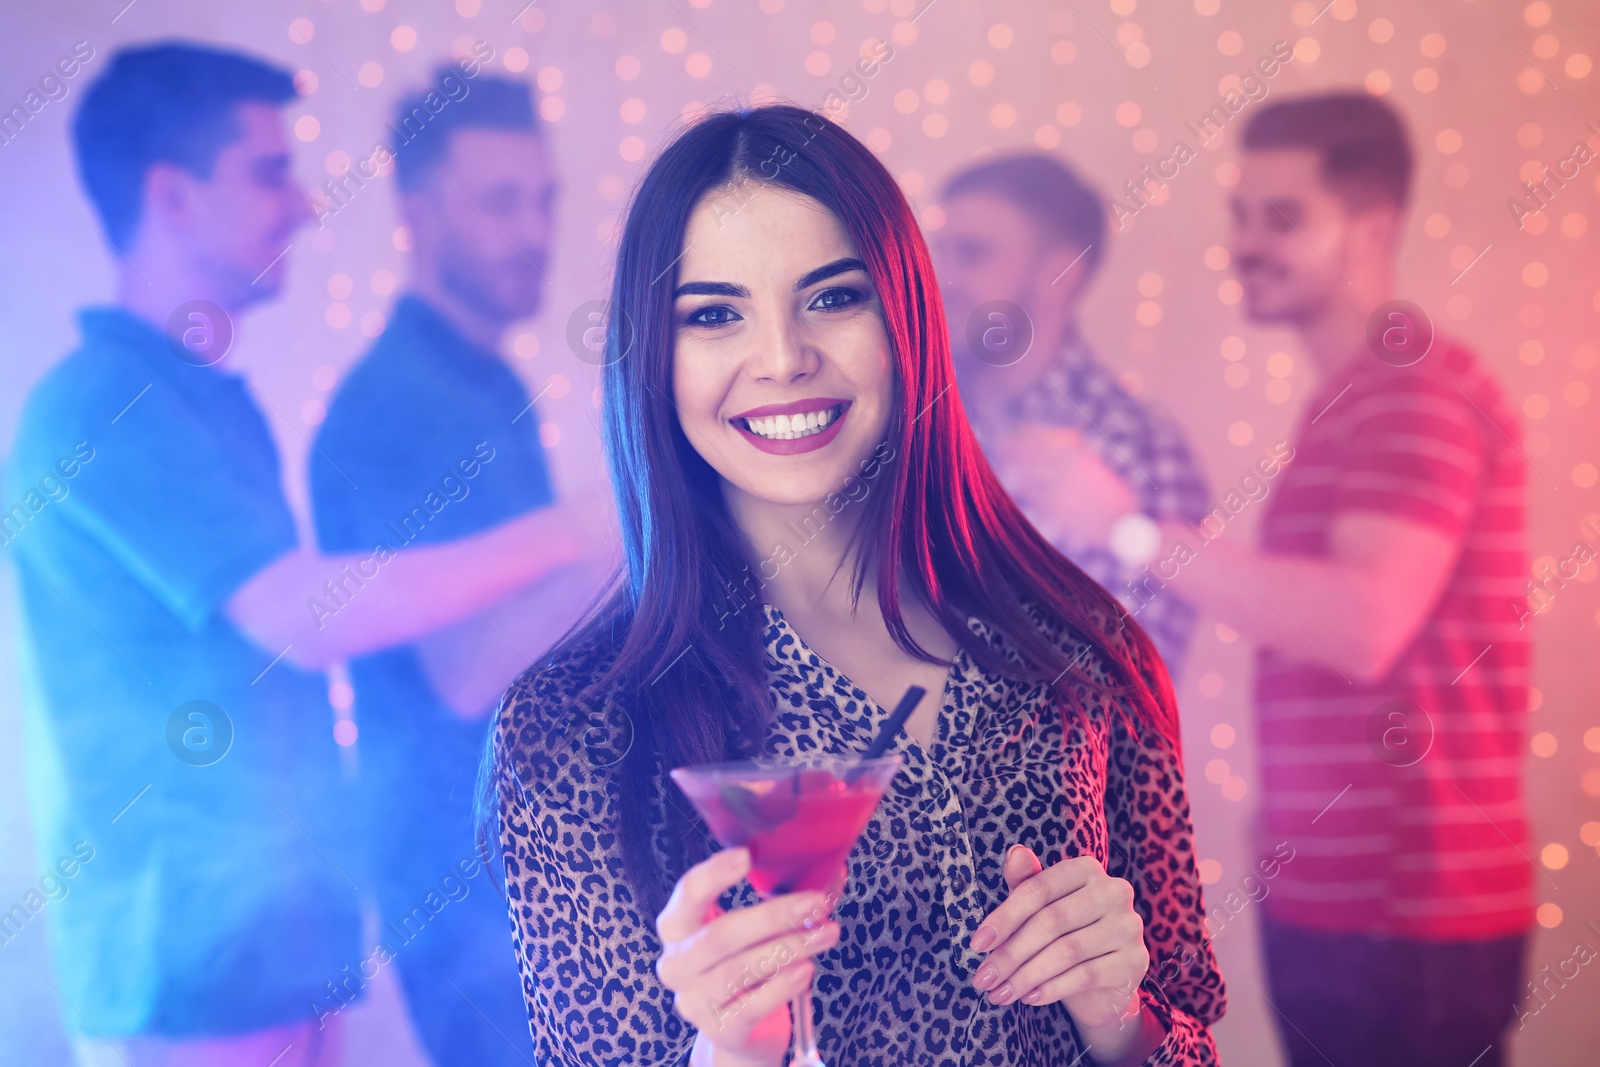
{"x":1092,"y":466}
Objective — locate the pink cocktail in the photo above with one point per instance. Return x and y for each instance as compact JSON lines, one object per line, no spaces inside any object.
{"x":800,"y":822}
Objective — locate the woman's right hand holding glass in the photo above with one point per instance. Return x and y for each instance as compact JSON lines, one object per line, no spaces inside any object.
{"x":733,"y":973}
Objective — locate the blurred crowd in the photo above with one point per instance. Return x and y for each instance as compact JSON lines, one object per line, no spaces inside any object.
{"x":178,"y":629}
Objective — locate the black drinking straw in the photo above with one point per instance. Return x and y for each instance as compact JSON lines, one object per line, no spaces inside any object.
{"x":890,"y":728}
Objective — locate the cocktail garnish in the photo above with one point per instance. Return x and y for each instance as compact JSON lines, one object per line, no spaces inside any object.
{"x":762,"y":805}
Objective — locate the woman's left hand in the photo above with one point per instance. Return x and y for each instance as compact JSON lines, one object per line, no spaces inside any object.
{"x":1070,"y":934}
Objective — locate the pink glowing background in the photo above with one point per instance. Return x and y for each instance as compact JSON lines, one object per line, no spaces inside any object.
{"x":1494,"y":90}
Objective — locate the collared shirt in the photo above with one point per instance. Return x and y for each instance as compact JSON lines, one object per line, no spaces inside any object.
{"x":1147,"y":451}
{"x":219,"y":896}
{"x":1404,"y":796}
{"x":430,"y":438}
{"x":1005,"y":766}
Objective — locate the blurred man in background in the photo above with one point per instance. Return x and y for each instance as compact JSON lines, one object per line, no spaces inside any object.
{"x":478,"y":191}
{"x":179,"y":732}
{"x":1391,"y":681}
{"x":1092,"y":467}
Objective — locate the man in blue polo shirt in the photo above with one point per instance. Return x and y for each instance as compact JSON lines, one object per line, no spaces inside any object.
{"x":477,"y":188}
{"x":180,"y":751}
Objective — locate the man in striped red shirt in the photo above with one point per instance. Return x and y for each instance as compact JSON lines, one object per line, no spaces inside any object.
{"x":1391,"y":682}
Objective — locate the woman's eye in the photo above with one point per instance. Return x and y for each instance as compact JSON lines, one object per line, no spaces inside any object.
{"x":836,"y":299}
{"x":712,"y":315}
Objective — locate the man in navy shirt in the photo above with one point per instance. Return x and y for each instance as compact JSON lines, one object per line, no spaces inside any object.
{"x":477,"y":188}
{"x":180,"y":752}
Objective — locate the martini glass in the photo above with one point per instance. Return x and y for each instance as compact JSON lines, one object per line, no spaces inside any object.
{"x":800,"y":821}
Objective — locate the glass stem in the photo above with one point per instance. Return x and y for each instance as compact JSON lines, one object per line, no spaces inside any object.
{"x":805,"y":1032}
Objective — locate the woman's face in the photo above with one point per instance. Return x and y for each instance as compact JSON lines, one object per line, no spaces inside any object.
{"x":781,"y":368}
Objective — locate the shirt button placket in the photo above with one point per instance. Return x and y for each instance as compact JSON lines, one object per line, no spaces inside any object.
{"x":957,"y":885}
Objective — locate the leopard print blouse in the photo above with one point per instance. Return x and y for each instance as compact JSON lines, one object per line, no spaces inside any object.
{"x":1003,"y":768}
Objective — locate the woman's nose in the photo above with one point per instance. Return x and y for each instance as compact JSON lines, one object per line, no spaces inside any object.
{"x":782,"y":354}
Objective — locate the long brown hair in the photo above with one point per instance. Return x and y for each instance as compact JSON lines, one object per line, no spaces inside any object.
{"x":692,"y":681}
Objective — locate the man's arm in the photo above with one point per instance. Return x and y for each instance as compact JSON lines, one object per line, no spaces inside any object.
{"x":1061,"y":483}
{"x":471,"y":663}
{"x":1359,"y":609}
{"x":394,"y":599}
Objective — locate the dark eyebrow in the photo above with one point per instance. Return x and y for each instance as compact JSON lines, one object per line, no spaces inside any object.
{"x":827,"y":270}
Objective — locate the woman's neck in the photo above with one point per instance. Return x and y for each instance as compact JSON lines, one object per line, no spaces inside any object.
{"x":801,"y":552}
{"x":809,"y":583}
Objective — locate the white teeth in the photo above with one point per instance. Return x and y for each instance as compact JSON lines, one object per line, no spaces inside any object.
{"x":789,"y":427}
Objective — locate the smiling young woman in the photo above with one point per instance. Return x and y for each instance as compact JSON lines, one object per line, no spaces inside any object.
{"x":1026,"y":891}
